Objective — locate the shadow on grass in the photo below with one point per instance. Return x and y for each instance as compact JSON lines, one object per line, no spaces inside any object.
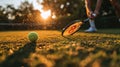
{"x":17,"y":58}
{"x":108,"y":31}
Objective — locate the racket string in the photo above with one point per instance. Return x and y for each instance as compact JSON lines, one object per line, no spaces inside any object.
{"x":72,"y":29}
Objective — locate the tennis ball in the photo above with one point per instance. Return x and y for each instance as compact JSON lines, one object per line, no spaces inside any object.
{"x":33,"y":36}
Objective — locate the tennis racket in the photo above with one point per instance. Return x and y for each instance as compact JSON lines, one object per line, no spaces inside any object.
{"x":73,"y":27}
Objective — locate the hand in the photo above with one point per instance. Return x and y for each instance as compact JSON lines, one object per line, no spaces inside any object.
{"x":89,"y":14}
{"x":93,"y":15}
{"x":96,"y":12}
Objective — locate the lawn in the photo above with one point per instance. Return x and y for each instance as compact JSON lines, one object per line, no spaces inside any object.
{"x":101,"y":49}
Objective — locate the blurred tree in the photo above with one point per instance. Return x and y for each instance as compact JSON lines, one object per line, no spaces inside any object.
{"x":64,"y":7}
{"x":25,"y":9}
{"x":34,"y":16}
{"x":24,"y":14}
{"x":3,"y":15}
{"x":9,"y":10}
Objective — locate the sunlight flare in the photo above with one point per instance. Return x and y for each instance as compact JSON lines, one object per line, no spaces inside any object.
{"x":46,"y":14}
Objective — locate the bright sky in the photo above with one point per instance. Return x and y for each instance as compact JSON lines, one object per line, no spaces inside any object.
{"x":16,"y":3}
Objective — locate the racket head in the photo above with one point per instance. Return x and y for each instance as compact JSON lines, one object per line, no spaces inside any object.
{"x":71,"y":28}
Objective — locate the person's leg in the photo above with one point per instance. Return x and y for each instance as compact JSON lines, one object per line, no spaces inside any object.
{"x":116,"y":5}
{"x":92,"y":27}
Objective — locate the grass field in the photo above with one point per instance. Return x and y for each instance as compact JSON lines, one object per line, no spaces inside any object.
{"x":100,"y":49}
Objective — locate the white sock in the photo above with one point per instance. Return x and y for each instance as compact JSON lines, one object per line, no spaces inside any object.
{"x":92,"y":23}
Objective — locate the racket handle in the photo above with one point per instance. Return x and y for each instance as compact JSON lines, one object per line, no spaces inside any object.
{"x":86,"y":20}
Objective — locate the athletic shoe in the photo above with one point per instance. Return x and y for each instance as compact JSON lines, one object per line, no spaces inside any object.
{"x":91,"y":29}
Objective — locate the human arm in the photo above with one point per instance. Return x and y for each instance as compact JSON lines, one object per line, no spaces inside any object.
{"x":88,"y":8}
{"x":98,"y":6}
{"x":89,"y":11}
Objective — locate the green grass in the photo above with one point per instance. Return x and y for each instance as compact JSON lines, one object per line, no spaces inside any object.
{"x":100,"y":49}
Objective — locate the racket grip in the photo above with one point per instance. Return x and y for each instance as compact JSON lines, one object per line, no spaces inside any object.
{"x":86,"y":20}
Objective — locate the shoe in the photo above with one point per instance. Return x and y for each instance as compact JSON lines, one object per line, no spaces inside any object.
{"x":119,"y":20}
{"x":91,"y":29}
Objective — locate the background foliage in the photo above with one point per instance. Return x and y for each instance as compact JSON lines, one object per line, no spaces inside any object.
{"x":64,"y":10}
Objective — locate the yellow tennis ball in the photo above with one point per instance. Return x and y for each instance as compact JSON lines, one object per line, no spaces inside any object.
{"x":33,"y":36}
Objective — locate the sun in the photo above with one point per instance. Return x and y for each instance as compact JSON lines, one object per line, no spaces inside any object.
{"x":46,"y":14}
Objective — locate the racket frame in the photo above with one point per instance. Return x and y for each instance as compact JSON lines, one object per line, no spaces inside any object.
{"x":73,"y":22}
